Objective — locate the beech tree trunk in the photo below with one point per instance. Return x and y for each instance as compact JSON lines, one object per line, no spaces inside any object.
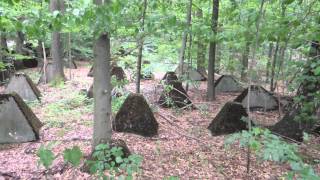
{"x":245,"y":62}
{"x":212,"y":53}
{"x":140,"y":42}
{"x":275,"y":57}
{"x":3,"y":45}
{"x":19,"y":39}
{"x":184,"y":40}
{"x":201,"y":49}
{"x":274,"y":62}
{"x":19,"y":42}
{"x":102,"y":131}
{"x":218,"y":58}
{"x":269,"y":62}
{"x":56,"y":45}
{"x":280,"y":64}
{"x":39,"y":54}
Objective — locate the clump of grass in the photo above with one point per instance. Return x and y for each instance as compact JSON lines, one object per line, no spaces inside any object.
{"x":68,"y":109}
{"x":34,"y":75}
{"x":57,"y":83}
{"x":117,"y":103}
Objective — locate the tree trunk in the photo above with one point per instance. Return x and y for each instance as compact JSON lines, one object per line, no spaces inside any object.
{"x":3,"y":41}
{"x":56,"y":45}
{"x":39,"y":54}
{"x":184,"y":39}
{"x":19,"y":42}
{"x":280,"y":64}
{"x":3,"y":45}
{"x":189,"y":60}
{"x":201,"y":49}
{"x":102,"y":131}
{"x":140,"y":42}
{"x":274,"y":62}
{"x":212,"y":52}
{"x":269,"y":62}
{"x":18,"y":64}
{"x":275,"y":58}
{"x":299,"y":119}
{"x":245,"y":62}
{"x":218,"y":58}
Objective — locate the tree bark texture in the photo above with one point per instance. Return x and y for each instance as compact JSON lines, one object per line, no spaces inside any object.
{"x":3,"y":45}
{"x":184,"y":39}
{"x":273,"y":67}
{"x":102,"y":89}
{"x":140,"y":43}
{"x":201,"y":49}
{"x":56,"y":45}
{"x":269,"y":62}
{"x":245,"y":62}
{"x":212,"y":52}
{"x":19,"y":42}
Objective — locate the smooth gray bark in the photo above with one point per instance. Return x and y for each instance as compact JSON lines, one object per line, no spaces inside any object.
{"x":201,"y":49}
{"x":140,"y":42}
{"x":3,"y":45}
{"x":19,"y":42}
{"x":218,"y":58}
{"x":245,"y":62}
{"x":212,"y":53}
{"x":184,"y":39}
{"x":275,"y":56}
{"x":56,"y":45}
{"x":273,"y":67}
{"x":102,"y":131}
{"x":269,"y":62}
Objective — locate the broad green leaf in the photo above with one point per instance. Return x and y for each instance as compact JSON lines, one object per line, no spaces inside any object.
{"x":46,"y":156}
{"x":317,"y":71}
{"x":73,"y":155}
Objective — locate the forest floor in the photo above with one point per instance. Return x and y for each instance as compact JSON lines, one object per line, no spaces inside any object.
{"x":183,"y":148}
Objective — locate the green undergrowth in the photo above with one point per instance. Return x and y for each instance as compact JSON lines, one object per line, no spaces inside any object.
{"x":70,"y":108}
{"x":57,"y":83}
{"x":34,"y":76}
{"x":107,"y":162}
{"x":117,"y":103}
{"x":269,"y":147}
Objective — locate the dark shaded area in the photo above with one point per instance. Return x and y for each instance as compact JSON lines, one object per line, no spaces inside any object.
{"x":289,"y":128}
{"x":116,"y":71}
{"x":90,"y":73}
{"x":146,"y":62}
{"x":147,"y":76}
{"x":286,"y":103}
{"x":228,"y":120}
{"x":170,"y":76}
{"x":90,"y":92}
{"x":30,"y":62}
{"x":135,"y":116}
{"x":5,"y":74}
{"x":174,"y":95}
